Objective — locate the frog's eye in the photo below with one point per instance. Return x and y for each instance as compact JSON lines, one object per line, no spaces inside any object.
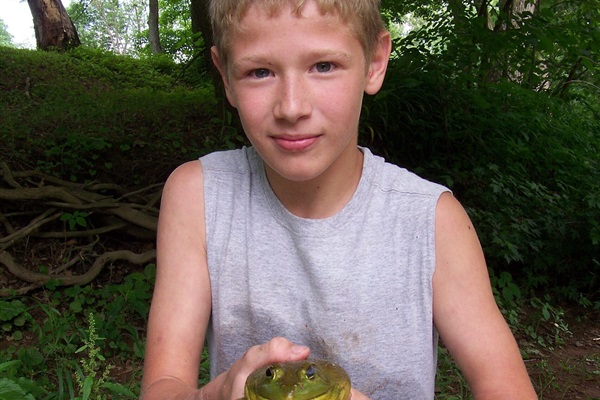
{"x":270,"y":373}
{"x":310,"y":372}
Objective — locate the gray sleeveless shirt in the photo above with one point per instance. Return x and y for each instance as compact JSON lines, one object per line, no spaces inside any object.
{"x":356,"y":287}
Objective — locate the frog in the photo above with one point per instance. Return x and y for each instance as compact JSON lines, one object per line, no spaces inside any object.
{"x":298,"y":380}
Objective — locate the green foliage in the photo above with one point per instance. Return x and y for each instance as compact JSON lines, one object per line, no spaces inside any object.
{"x":450,"y":382}
{"x":121,"y":27}
{"x":87,"y":379}
{"x":113,"y":25}
{"x":517,"y":141}
{"x":93,"y":378}
{"x":14,"y":318}
{"x":85,"y":330}
{"x":544,"y":328}
{"x":547,"y":327}
{"x":17,"y":389}
{"x":175,"y":30}
{"x":89,"y":112}
{"x":5,"y":37}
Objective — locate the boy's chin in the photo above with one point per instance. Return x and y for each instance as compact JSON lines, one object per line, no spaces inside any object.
{"x":295,"y":173}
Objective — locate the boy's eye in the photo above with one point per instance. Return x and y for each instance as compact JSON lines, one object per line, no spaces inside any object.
{"x":260,"y":73}
{"x":323,"y":67}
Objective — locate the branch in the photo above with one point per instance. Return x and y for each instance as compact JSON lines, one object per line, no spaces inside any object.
{"x":38,"y":194}
{"x":34,"y":225}
{"x":80,"y":234}
{"x":8,"y":176}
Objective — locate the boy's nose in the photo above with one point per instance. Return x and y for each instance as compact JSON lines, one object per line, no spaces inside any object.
{"x":292,"y":102}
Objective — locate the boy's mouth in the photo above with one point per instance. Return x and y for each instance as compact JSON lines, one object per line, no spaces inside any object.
{"x":295,"y":143}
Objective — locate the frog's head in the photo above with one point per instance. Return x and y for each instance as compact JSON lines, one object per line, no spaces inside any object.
{"x":298,"y":380}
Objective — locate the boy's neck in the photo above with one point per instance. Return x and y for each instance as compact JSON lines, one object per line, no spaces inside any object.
{"x":323,"y":196}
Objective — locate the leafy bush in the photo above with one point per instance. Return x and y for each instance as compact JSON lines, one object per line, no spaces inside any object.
{"x":157,"y":72}
{"x":85,"y":114}
{"x":522,"y":159}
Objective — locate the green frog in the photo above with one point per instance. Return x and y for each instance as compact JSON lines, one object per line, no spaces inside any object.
{"x":298,"y":380}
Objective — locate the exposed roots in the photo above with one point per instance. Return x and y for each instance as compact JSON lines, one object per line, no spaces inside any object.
{"x":35,"y":206}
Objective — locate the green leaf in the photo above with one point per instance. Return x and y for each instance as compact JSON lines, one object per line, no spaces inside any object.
{"x":9,"y":390}
{"x":505,"y":278}
{"x":52,"y":284}
{"x":32,"y":388}
{"x":6,"y":365}
{"x":66,"y":217}
{"x":10,"y":310}
{"x":87,"y":387}
{"x":81,"y":221}
{"x":76,"y":306}
{"x":118,"y":389}
{"x":31,"y":356}
{"x":546,"y":313}
{"x":82,"y":348}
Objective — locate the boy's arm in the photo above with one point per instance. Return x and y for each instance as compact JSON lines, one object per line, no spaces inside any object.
{"x":465,"y":312}
{"x":181,"y":304}
{"x":181,"y":301}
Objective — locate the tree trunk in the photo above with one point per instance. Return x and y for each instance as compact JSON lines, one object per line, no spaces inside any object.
{"x":512,"y":11}
{"x":53,"y":27}
{"x":483,"y":13}
{"x":153,"y":36}
{"x":521,"y":6}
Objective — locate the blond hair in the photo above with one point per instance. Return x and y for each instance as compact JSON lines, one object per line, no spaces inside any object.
{"x":362,"y":16}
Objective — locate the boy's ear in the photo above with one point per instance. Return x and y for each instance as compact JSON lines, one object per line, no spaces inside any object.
{"x":378,"y":64}
{"x":223,"y":72}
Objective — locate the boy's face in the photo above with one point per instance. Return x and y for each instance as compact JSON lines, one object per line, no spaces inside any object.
{"x":297,"y":81}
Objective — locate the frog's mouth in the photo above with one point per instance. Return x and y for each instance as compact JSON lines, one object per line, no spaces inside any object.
{"x":303,"y":380}
{"x":300,"y":393}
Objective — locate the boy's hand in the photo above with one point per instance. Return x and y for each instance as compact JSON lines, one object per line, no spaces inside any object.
{"x":275,"y":350}
{"x":356,"y":395}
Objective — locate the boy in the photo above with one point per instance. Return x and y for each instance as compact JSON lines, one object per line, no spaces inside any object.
{"x":306,"y":242}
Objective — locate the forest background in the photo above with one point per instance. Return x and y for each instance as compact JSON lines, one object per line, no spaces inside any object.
{"x":498,"y":100}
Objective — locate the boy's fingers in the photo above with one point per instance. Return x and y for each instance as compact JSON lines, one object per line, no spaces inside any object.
{"x":356,"y":395}
{"x":275,"y":350}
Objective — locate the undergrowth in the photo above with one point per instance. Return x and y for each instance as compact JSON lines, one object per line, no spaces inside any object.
{"x":85,"y":114}
{"x":82,"y":332}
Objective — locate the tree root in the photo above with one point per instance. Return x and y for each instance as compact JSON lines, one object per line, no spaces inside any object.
{"x":38,"y":207}
{"x":38,"y":280}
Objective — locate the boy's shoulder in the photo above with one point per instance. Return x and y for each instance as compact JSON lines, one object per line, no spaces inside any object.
{"x":238,"y":161}
{"x":393,"y":178}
